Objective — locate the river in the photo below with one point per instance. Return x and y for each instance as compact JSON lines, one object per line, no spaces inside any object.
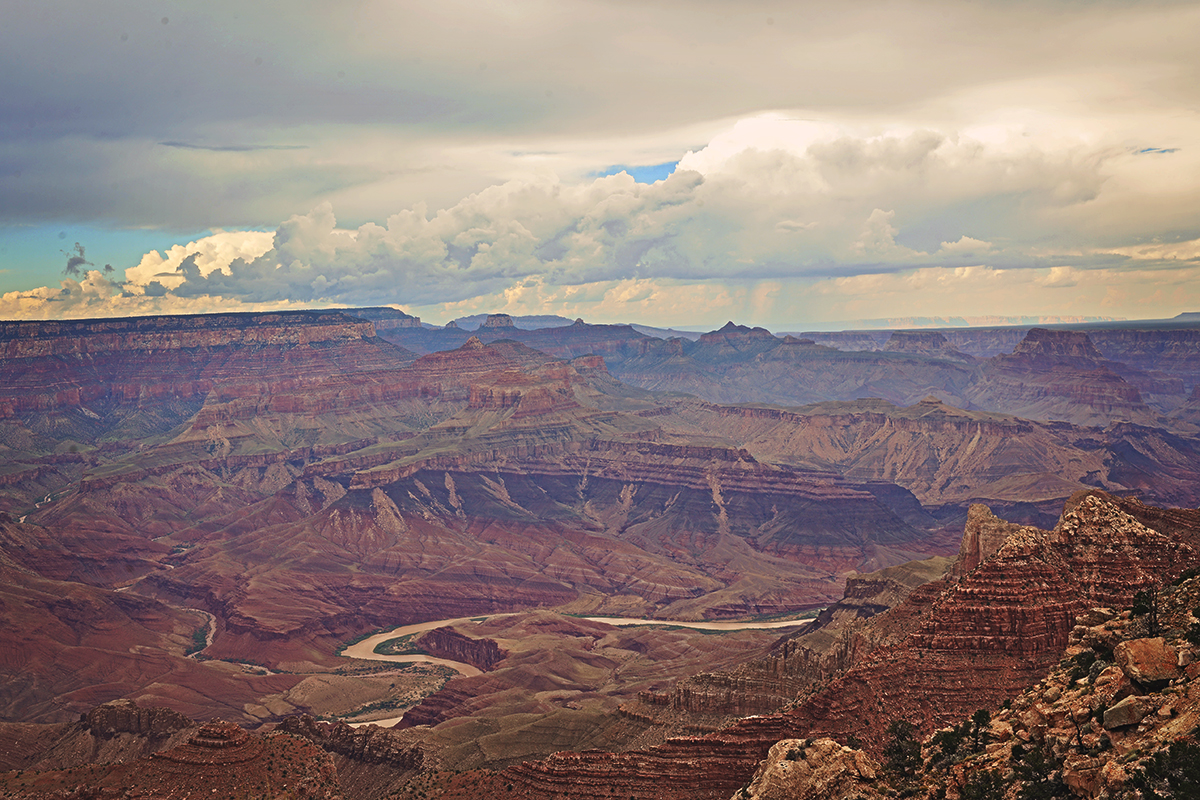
{"x":366,"y":648}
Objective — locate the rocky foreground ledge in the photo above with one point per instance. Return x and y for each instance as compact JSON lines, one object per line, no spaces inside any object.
{"x":1117,"y":718}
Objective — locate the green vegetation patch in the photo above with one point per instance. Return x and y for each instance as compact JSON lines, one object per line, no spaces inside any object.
{"x":199,"y":640}
{"x":400,"y":646}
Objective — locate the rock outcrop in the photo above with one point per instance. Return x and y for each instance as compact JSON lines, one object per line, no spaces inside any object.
{"x":116,"y":731}
{"x":982,"y":537}
{"x":219,"y":759}
{"x":125,"y":716}
{"x":484,"y":654}
{"x":1086,"y":729}
{"x":369,"y":744}
{"x":819,"y":769}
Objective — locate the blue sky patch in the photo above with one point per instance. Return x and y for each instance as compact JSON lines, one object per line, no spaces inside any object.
{"x":643,"y":174}
{"x":1156,"y":150}
{"x":36,"y":255}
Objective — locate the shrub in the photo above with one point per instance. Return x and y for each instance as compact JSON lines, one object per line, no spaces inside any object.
{"x":903,"y":752}
{"x":983,"y":785}
{"x":1175,"y":771}
{"x":1080,"y":665}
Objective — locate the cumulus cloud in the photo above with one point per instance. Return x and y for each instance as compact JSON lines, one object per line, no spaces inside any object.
{"x":215,"y":251}
{"x":383,"y":109}
{"x":772,"y":198}
{"x":966,"y":246}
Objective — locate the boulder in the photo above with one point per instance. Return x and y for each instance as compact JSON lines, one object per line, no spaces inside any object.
{"x":1000,"y":731}
{"x":1129,"y":711}
{"x":1095,"y":616}
{"x":1112,"y":685}
{"x":1113,"y":775}
{"x":1147,"y":661}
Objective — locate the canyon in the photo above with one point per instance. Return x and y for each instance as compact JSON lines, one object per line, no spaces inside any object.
{"x":196,"y":513}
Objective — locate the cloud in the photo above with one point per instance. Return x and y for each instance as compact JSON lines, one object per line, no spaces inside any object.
{"x":1161,"y":251}
{"x":966,"y":246}
{"x":772,"y":198}
{"x":983,"y":291}
{"x":232,"y":148}
{"x":215,"y":251}
{"x":770,"y":202}
{"x":389,"y":109}
{"x":75,"y":260}
{"x":878,"y":239}
{"x":94,"y":295}
{"x":833,"y":144}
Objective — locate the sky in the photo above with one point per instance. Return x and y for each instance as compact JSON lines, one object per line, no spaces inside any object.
{"x":784,"y":164}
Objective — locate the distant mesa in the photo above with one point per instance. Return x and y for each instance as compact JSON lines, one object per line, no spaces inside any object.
{"x":498,"y":321}
{"x":989,"y":321}
{"x":1057,"y":344}
{"x":1058,"y":375}
{"x":385,"y":317}
{"x":906,"y":341}
{"x":525,"y":322}
{"x":925,"y":343}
